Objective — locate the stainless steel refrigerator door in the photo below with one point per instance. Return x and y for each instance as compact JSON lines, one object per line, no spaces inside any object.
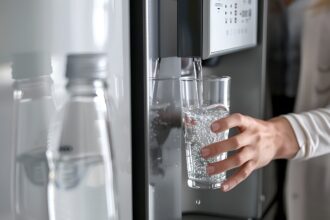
{"x":251,"y":198}
{"x":6,"y":111}
{"x":120,"y":100}
{"x":247,"y":71}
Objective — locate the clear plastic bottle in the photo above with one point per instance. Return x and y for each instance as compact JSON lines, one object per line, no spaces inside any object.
{"x":33,"y":109}
{"x":81,"y":166}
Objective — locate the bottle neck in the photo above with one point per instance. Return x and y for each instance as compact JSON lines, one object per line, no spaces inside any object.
{"x":87,"y":87}
{"x":33,"y":88}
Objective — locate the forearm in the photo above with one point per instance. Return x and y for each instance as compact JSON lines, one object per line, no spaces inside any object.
{"x":285,"y":138}
{"x":259,"y":142}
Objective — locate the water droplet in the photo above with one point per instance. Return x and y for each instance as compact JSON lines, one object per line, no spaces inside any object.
{"x":198,"y":202}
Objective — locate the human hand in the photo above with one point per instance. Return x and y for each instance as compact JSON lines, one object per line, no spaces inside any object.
{"x":257,"y":143}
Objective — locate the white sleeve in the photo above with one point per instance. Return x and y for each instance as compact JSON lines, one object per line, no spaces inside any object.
{"x":312,"y":130}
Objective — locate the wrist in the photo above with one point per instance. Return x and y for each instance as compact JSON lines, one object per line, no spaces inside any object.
{"x":285,"y":139}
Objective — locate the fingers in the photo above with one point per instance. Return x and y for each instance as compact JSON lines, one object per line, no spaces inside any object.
{"x":234,"y":120}
{"x":243,"y":142}
{"x":238,"y":177}
{"x":230,"y":144}
{"x":237,"y":160}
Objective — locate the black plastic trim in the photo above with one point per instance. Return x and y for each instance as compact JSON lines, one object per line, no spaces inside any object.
{"x":138,"y":108}
{"x":190,"y":28}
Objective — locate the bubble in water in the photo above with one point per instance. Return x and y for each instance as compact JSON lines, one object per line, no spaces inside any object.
{"x":198,"y":202}
{"x":198,"y":135}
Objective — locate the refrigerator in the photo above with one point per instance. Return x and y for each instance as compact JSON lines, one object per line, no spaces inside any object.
{"x":149,"y":45}
{"x":229,"y":37}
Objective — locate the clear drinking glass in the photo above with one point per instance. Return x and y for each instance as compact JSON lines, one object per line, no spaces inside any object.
{"x":203,"y":102}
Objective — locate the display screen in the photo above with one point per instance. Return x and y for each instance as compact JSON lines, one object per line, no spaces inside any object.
{"x":228,"y":25}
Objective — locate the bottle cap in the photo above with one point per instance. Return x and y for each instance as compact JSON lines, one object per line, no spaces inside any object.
{"x":87,"y":66}
{"x":31,"y":64}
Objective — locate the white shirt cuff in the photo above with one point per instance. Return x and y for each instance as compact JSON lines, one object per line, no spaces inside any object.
{"x":300,"y":135}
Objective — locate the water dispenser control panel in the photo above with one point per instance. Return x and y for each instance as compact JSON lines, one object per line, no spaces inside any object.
{"x":228,"y":25}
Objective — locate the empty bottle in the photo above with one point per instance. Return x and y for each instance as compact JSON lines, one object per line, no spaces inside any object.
{"x":33,"y":109}
{"x":81,"y":167}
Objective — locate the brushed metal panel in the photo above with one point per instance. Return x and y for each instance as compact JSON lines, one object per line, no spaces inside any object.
{"x":247,"y":70}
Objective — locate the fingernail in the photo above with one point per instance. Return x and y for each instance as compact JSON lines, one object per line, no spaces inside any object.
{"x":210,"y":169}
{"x":225,"y":188}
{"x":205,"y":152}
{"x":215,"y":127}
